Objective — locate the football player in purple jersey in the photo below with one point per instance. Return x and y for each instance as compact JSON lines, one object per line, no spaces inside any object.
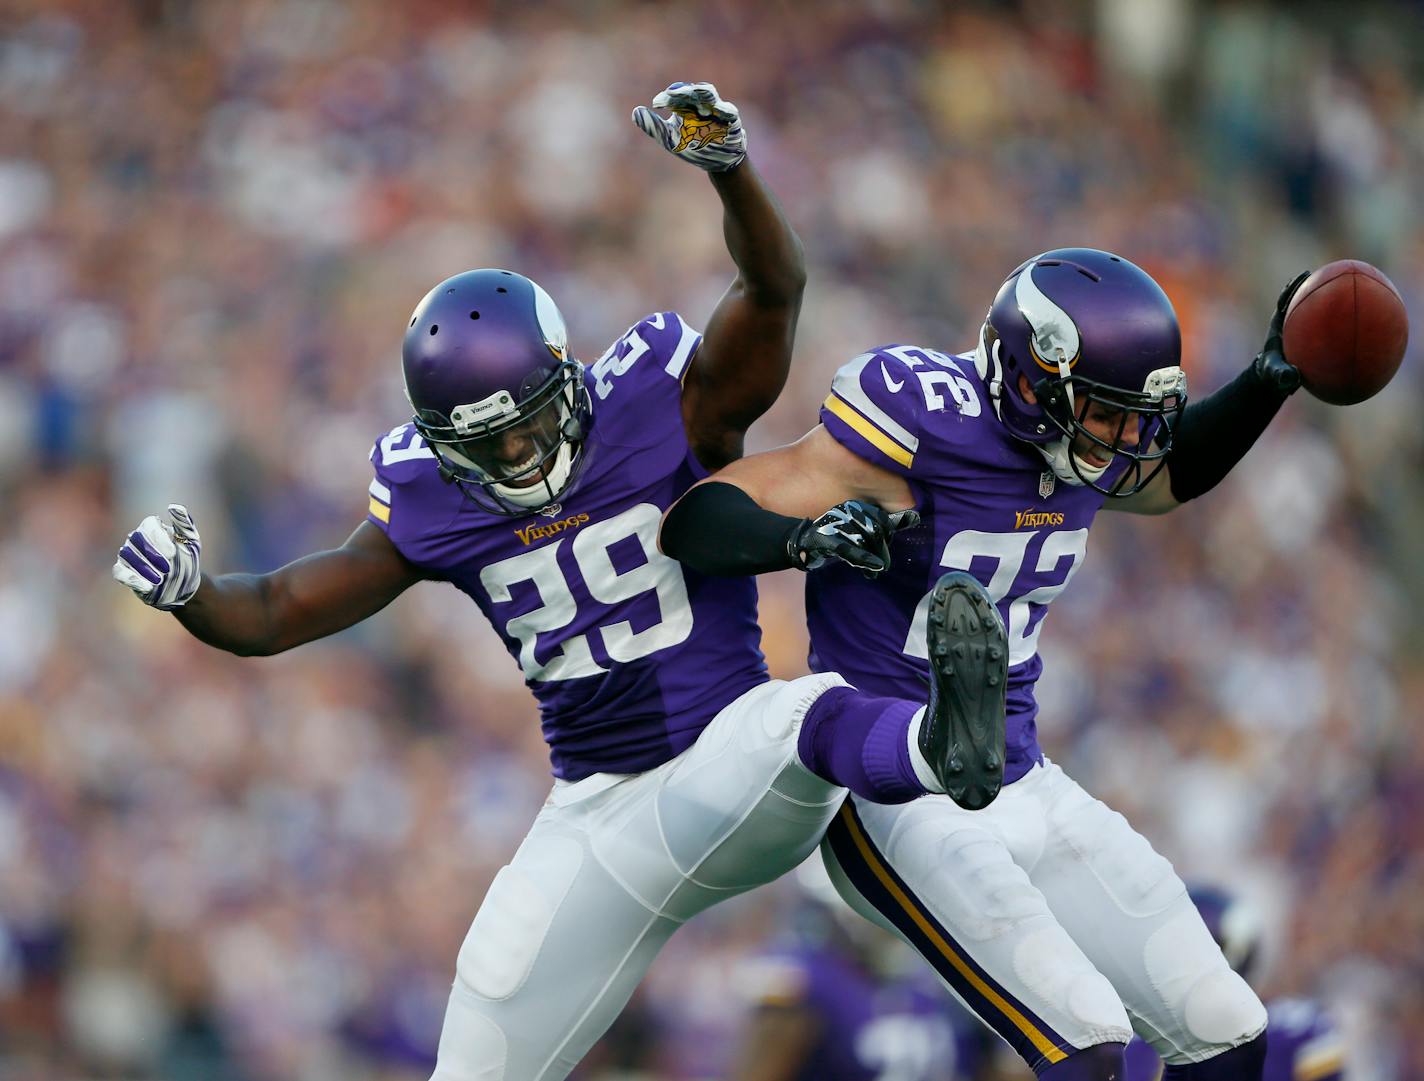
{"x":536,"y":484}
{"x":1302,"y":1042}
{"x":1046,"y":912}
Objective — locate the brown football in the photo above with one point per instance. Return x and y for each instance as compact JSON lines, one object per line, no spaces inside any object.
{"x":1346,"y":329}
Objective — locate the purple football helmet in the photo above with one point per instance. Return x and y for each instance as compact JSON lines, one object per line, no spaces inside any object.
{"x":1087,"y":328}
{"x":495,"y":392}
{"x":1233,"y":923}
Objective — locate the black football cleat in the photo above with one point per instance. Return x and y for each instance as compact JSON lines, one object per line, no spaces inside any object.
{"x":962,"y":737}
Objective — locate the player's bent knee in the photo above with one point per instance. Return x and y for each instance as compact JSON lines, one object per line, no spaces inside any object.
{"x":1221,"y":1010}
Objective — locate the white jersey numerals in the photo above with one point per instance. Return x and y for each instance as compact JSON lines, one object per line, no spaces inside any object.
{"x":574,"y":659}
{"x":1055,"y":554}
{"x":541,"y":567}
{"x":659,"y":575}
{"x":936,"y":382}
{"x":612,"y":364}
{"x":403,"y":444}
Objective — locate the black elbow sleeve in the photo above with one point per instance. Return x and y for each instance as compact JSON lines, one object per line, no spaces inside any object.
{"x":1212,"y":435}
{"x":720,"y":530}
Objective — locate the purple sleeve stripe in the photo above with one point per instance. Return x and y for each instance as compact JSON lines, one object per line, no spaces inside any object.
{"x":140,"y":543}
{"x":140,"y":565}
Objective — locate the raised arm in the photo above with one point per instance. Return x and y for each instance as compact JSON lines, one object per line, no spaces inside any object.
{"x":262,"y":614}
{"x":745,"y":354}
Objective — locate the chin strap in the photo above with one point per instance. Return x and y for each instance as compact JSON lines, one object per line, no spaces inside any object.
{"x":1062,"y":461}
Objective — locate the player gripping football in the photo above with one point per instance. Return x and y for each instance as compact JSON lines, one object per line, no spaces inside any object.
{"x":1046,"y":912}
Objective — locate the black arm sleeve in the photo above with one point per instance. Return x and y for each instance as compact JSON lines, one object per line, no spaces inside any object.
{"x":1215,"y":433}
{"x":718,"y":529}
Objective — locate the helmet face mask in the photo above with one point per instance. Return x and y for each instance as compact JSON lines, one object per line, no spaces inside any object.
{"x":1076,"y":407}
{"x":546,"y":430}
{"x":495,"y":393}
{"x":1080,"y":338}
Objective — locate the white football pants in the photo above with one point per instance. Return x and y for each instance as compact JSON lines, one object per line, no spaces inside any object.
{"x":1049,"y":917}
{"x":611,"y":867}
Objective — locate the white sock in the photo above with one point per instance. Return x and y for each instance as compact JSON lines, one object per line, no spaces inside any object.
{"x":923,"y":773}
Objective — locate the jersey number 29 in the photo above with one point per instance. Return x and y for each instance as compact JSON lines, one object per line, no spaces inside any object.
{"x":574,"y":657}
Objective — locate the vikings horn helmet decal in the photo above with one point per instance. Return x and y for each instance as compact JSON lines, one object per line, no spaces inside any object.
{"x":1086,"y":330}
{"x":495,"y":393}
{"x":1053,"y":338}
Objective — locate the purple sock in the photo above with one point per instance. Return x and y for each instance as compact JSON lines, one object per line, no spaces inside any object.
{"x":1244,"y":1063}
{"x":861,"y":743}
{"x":1101,"y":1062}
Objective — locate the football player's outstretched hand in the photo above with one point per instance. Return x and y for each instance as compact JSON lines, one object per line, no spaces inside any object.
{"x":854,"y":532}
{"x":1270,"y":363}
{"x":159,"y":561}
{"x":702,"y":129}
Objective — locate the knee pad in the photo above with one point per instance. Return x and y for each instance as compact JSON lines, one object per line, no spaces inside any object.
{"x":1211,"y":1008}
{"x":1222,"y":1011}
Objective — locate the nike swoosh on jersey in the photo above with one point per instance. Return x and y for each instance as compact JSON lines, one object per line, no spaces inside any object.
{"x":891,"y":384}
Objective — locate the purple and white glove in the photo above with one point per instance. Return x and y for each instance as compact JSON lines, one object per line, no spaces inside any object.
{"x":703,"y":129}
{"x":159,"y":561}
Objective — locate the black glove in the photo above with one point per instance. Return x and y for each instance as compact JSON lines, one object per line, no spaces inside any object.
{"x":853,"y":532}
{"x":1270,"y":365}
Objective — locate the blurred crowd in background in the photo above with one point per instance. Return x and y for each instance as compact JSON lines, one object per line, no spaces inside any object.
{"x":215,"y":218}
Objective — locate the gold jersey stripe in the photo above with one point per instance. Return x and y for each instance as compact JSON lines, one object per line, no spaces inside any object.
{"x":380,"y":510}
{"x":868,"y":431}
{"x":1050,"y":1050}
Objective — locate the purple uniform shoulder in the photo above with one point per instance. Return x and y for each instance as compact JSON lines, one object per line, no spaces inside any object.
{"x":629,"y":654}
{"x":989,"y":505}
{"x":881,"y":403}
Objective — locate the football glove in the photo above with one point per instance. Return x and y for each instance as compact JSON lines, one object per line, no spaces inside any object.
{"x":1270,"y":365}
{"x":159,"y":561}
{"x":854,"y":532}
{"x":703,"y":129}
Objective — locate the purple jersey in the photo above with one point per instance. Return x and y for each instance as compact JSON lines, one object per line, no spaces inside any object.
{"x":869,"y":1027}
{"x":629,"y":653}
{"x":1302,"y":1044}
{"x":990,"y":506}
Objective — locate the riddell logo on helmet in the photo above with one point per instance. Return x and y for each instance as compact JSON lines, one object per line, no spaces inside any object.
{"x":1027,"y":519}
{"x":530,"y":534}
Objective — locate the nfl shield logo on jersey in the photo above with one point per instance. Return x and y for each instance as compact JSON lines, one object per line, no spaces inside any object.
{"x":553,"y":510}
{"x":1045,"y":484}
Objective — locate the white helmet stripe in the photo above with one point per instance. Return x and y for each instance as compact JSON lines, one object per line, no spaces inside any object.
{"x":1053,"y":336}
{"x":551,"y":322}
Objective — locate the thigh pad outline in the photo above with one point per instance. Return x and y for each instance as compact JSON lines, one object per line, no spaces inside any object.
{"x":504,"y":940}
{"x":1139,"y":880}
